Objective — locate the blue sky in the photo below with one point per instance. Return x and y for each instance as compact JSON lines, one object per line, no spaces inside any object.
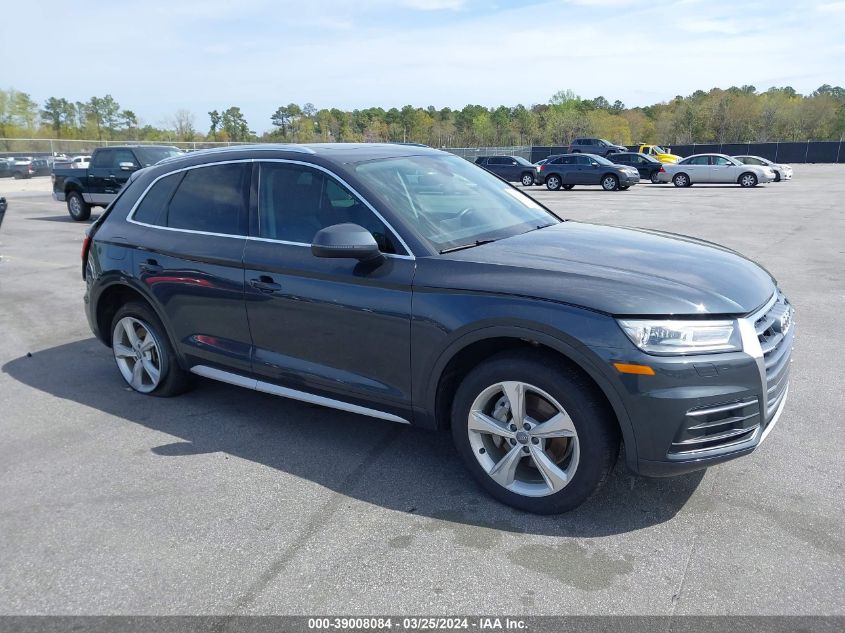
{"x":157,"y":56}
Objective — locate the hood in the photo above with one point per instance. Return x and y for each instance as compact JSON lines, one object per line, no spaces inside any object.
{"x":615,"y":270}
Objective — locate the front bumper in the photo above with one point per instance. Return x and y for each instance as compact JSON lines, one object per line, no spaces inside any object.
{"x":626,"y":180}
{"x":700,"y":410}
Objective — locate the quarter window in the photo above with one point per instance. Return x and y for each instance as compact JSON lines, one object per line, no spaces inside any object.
{"x":295,"y":201}
{"x":153,"y":207}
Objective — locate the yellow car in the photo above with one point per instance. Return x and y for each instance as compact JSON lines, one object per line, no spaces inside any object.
{"x":661,"y":154}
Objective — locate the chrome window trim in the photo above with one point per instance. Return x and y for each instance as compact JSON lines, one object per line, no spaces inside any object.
{"x":294,"y":394}
{"x":131,"y":215}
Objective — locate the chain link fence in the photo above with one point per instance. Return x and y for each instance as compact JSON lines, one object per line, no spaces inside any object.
{"x":78,"y":147}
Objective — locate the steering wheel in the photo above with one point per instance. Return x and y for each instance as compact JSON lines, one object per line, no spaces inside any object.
{"x":463,"y":213}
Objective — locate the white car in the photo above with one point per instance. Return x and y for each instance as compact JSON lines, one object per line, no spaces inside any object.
{"x":782,"y":172}
{"x":80,"y":162}
{"x":714,"y":168}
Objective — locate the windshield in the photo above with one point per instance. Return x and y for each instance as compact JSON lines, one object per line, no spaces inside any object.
{"x":660,"y":150}
{"x":601,"y":160}
{"x":523,"y":161}
{"x":151,"y":155}
{"x":604,"y":141}
{"x":450,"y":201}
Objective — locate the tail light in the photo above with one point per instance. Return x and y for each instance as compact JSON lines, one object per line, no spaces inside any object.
{"x":661,"y":170}
{"x":542,"y":168}
{"x":86,"y":246}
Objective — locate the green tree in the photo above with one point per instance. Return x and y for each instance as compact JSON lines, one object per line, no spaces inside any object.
{"x":235,"y":125}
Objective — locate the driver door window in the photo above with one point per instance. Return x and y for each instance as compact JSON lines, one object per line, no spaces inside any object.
{"x":296,"y":201}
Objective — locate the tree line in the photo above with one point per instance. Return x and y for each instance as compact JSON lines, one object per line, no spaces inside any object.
{"x":732,"y":115}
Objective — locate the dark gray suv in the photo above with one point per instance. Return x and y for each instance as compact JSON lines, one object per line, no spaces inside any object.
{"x":597,"y":146}
{"x":510,"y":168}
{"x":407,"y":284}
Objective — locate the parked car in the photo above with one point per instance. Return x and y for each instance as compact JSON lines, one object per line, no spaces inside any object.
{"x":715,"y":168}
{"x":43,"y":166}
{"x":413,"y":287}
{"x":567,"y":170}
{"x":5,"y":168}
{"x":511,"y":168}
{"x":22,"y":167}
{"x":664,"y":155}
{"x":80,"y":162}
{"x":110,"y":168}
{"x":597,"y":146}
{"x":646,"y":166}
{"x":782,"y":171}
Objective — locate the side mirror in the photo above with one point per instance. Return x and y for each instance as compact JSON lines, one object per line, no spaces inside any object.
{"x":345,"y":241}
{"x":127,"y":166}
{"x":594,"y":163}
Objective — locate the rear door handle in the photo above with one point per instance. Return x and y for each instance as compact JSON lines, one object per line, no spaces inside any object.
{"x":265,"y":284}
{"x":150,"y":266}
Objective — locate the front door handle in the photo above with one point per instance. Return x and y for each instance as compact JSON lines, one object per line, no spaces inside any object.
{"x":150,"y":266}
{"x":265,"y":284}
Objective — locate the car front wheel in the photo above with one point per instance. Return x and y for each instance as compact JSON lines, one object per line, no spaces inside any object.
{"x":610,"y":183}
{"x":533,"y":432}
{"x":748,"y":180}
{"x":527,"y":180}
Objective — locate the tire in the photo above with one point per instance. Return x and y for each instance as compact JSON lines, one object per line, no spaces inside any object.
{"x":17,"y":175}
{"x":747,"y":180}
{"x":576,"y":151}
{"x":655,"y":179}
{"x":78,"y":209}
{"x":527,"y":179}
{"x":681,"y":180}
{"x":609,"y":182}
{"x":146,"y":361}
{"x":568,"y":187}
{"x":575,"y":458}
{"x":625,"y":188}
{"x":777,"y":176}
{"x":553,"y":182}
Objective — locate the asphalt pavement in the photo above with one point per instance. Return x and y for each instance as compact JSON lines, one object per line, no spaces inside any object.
{"x":226,"y":501}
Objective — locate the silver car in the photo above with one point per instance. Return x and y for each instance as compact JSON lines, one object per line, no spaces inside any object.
{"x":782,"y":172}
{"x":714,"y":168}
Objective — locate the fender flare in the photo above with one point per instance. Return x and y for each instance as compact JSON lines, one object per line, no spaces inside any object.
{"x":571,"y":349}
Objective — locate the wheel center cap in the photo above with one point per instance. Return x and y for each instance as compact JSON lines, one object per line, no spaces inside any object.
{"x":522,"y":437}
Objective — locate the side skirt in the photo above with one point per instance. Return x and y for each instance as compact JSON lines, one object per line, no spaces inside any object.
{"x":285,"y":392}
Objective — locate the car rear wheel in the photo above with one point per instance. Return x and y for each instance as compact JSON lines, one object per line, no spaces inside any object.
{"x":748,"y":180}
{"x":655,"y":179}
{"x":553,"y":182}
{"x":527,"y":179}
{"x":681,"y":180}
{"x":609,"y":182}
{"x":143,"y":353}
{"x":77,"y":207}
{"x":534,"y":433}
{"x":568,"y":187}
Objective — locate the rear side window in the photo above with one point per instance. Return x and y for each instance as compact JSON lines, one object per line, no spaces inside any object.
{"x":103,"y":158}
{"x":152,"y":209}
{"x":211,"y":199}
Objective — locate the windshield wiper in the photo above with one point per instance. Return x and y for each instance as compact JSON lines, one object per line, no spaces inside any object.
{"x":452,"y":249}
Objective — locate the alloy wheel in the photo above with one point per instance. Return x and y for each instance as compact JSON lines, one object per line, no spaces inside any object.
{"x":523,"y":439}
{"x":137,"y":353}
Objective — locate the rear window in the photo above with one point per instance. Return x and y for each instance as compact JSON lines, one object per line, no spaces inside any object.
{"x":210,"y":199}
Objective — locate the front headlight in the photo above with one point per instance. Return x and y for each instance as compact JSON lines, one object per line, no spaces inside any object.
{"x":682,"y":337}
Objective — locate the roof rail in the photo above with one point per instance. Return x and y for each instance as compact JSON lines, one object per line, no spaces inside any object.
{"x":268,"y":147}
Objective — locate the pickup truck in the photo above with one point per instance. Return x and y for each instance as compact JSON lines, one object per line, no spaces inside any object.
{"x":109,"y":170}
{"x":659,"y":153}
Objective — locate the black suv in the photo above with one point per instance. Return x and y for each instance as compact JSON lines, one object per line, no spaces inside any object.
{"x":595,"y":146}
{"x":567,"y":170}
{"x":647,"y":166}
{"x":510,"y":168}
{"x":407,"y":284}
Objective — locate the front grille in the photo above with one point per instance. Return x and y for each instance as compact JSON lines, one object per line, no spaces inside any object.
{"x":777,"y":350}
{"x":718,"y":426}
